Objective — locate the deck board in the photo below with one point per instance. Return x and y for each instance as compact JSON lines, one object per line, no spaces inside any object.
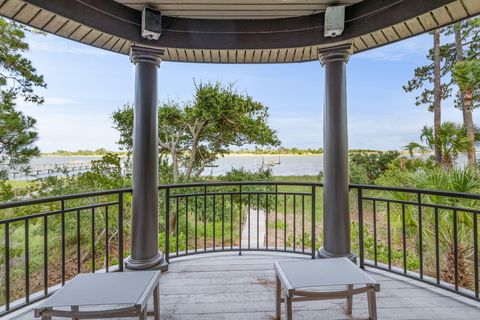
{"x":234,"y":287}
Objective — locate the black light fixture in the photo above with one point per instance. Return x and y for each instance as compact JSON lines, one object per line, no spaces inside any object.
{"x":151,"y":24}
{"x":334,"y":21}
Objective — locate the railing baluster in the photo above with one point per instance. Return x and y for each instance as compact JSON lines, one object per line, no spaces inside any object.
{"x":276,"y":216}
{"x":258,"y":222}
{"x":314,"y":253}
{"x":389,"y":237}
{"x":7,"y":266}
{"x":404,"y":240}
{"x":455,"y":247}
{"x":240,"y":222}
{"x":285,"y":222}
{"x":248,"y":208}
{"x":186,"y":224}
{"x":79,"y":269}
{"x":294,"y":222}
{"x":475,"y":253}
{"x":107,"y":246}
{"x":45,"y":255}
{"x":303,"y":223}
{"x":375,"y":232}
{"x":93,"y":240}
{"x":167,"y":225}
{"x":205,"y":218}
{"x":360,"y":228}
{"x":214,"y":218}
{"x":267,"y":209}
{"x":223,"y":221}
{"x":437,"y":248}
{"x":176,"y":224}
{"x":231,"y":221}
{"x":120,"y":232}
{"x":420,"y":233}
{"x":62,"y":205}
{"x":196,"y":223}
{"x":27,"y":262}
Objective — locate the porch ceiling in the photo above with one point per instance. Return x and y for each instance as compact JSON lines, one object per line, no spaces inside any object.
{"x":237,"y":31}
{"x":237,"y":9}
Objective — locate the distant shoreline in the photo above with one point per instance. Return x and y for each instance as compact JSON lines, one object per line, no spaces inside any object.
{"x":270,"y":154}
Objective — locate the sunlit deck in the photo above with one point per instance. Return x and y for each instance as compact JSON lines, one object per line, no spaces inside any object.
{"x":228,"y":286}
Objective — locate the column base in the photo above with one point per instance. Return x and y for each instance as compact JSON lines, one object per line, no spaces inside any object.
{"x":155,"y":263}
{"x":324,"y":254}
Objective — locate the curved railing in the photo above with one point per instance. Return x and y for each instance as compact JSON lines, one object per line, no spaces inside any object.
{"x":240,"y":216}
{"x":431,"y":236}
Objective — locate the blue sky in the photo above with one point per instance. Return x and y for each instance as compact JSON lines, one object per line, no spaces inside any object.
{"x":86,"y":84}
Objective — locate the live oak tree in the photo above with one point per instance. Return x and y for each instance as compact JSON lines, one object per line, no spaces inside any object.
{"x":18,"y":80}
{"x":195,"y":133}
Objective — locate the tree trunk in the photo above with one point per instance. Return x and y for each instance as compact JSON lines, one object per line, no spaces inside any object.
{"x":437,"y":95}
{"x":472,"y":158}
{"x":459,"y":57}
{"x":193,"y":153}
{"x":175,"y":165}
{"x":466,"y":103}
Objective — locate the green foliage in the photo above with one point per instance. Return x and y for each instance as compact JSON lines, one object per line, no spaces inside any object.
{"x":467,"y":75}
{"x":245,"y":175}
{"x":367,"y":167}
{"x":18,"y":78}
{"x":423,"y":75}
{"x":469,"y":36}
{"x":358,"y":173}
{"x":452,"y":140}
{"x":17,"y":136}
{"x":194,"y":134}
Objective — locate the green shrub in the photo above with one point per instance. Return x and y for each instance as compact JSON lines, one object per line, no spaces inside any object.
{"x":370,"y":164}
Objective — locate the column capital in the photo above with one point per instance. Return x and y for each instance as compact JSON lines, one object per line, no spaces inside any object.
{"x":337,"y":53}
{"x":146,"y":54}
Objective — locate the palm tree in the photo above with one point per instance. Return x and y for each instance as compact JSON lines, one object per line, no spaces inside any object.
{"x":451,"y":140}
{"x":467,"y":75}
{"x":414,"y":147}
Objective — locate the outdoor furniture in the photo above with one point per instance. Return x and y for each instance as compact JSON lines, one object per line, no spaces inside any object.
{"x":119,"y":294}
{"x":301,"y":281}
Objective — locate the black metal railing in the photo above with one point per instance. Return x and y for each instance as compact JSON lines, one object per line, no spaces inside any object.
{"x":219,"y":216}
{"x":427,"y":235}
{"x":48,"y":241}
{"x":431,"y":236}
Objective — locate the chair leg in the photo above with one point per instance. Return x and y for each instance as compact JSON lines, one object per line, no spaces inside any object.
{"x":74,"y":309}
{"x":289,"y":307}
{"x":47,"y":316}
{"x":278,"y":297}
{"x":156,"y":302}
{"x":372,"y":304}
{"x":349,"y":300}
{"x":143,"y":314}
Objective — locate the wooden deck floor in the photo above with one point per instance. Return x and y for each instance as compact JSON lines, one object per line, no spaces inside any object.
{"x":234,"y":287}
